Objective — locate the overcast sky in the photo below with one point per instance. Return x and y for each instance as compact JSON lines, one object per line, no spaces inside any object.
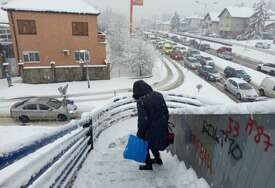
{"x":157,"y":7}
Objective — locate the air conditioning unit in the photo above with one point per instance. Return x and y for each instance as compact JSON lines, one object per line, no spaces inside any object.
{"x":66,"y":52}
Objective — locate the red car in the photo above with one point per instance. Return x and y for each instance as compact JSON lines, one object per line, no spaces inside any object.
{"x":224,"y":49}
{"x":176,"y":55}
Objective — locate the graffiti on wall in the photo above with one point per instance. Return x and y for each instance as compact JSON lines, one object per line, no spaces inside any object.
{"x":223,"y":137}
{"x":202,"y":153}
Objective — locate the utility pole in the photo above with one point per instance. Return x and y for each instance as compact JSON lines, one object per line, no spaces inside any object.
{"x":131,"y":16}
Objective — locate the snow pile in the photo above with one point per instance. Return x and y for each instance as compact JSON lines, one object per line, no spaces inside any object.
{"x":62,"y":6}
{"x":105,"y":166}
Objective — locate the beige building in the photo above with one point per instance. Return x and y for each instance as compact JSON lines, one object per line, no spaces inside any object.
{"x":234,"y":20}
{"x":52,"y":36}
{"x":211,"y":23}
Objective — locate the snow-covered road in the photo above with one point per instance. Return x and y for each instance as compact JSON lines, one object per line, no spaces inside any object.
{"x":105,"y":166}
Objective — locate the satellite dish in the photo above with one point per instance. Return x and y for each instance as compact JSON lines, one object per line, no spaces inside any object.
{"x":63,"y":89}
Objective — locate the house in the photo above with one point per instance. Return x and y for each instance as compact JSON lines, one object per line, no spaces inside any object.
{"x":270,"y":26}
{"x":57,"y":41}
{"x":163,"y":25}
{"x":234,"y":20}
{"x":7,"y":59}
{"x":211,"y":23}
{"x":192,"y":24}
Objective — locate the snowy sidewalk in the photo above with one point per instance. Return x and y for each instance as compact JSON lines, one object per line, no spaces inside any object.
{"x":105,"y":166}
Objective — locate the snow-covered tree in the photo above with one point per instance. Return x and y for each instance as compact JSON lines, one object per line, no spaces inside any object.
{"x":175,"y":22}
{"x":126,"y":53}
{"x":141,"y":57}
{"x":256,"y":22}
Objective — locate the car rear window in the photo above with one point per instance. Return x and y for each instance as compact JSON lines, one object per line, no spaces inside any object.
{"x":245,"y":86}
{"x":54,"y":103}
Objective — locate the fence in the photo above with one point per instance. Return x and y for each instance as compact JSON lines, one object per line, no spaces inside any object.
{"x":54,"y":160}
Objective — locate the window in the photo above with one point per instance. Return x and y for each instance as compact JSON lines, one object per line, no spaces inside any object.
{"x":31,"y":56}
{"x":274,"y":88}
{"x":80,"y":28}
{"x":83,"y":55}
{"x":30,"y":107}
{"x":26,"y":27}
{"x":43,"y":107}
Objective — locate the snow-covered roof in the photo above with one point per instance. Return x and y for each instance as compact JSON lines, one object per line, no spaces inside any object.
{"x":239,"y":12}
{"x":60,"y":6}
{"x":214,"y":16}
{"x":271,"y":22}
{"x":3,"y":17}
{"x":194,"y":17}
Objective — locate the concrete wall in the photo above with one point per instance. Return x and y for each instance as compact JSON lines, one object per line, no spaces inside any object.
{"x":64,"y":74}
{"x":233,"y":151}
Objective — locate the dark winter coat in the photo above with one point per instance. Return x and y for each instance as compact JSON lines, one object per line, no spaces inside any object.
{"x":152,"y":115}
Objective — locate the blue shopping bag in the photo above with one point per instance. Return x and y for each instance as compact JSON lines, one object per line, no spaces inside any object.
{"x":136,"y":149}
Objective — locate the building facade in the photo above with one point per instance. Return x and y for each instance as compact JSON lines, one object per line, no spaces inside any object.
{"x":211,"y":23}
{"x":51,"y":38}
{"x":234,"y":20}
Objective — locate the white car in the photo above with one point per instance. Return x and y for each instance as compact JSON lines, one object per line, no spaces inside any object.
{"x":263,"y":45}
{"x":268,"y":67}
{"x":267,"y":87}
{"x":241,"y":89}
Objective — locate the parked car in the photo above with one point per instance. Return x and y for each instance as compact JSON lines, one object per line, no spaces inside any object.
{"x":192,"y":63}
{"x":204,"y":47}
{"x":267,"y":87}
{"x":224,"y":49}
{"x":194,"y":43}
{"x":268,"y":67}
{"x":237,"y":73}
{"x":213,"y":35}
{"x":44,"y":108}
{"x":175,"y":39}
{"x":167,"y":48}
{"x":206,"y":61}
{"x":209,"y":73}
{"x":241,"y":89}
{"x":192,"y":52}
{"x":182,"y":49}
{"x":263,"y":45}
{"x":176,"y":54}
{"x":226,"y":55}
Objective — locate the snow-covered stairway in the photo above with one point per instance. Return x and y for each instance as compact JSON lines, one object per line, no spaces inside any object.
{"x":105,"y":166}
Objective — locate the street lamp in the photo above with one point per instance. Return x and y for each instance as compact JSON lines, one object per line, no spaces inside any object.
{"x":82,"y":60}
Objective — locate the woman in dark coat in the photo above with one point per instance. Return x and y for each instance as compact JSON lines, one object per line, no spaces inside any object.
{"x":152,"y":121}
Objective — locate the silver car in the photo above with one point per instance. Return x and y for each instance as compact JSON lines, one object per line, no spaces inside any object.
{"x":43,"y":109}
{"x":241,"y":89}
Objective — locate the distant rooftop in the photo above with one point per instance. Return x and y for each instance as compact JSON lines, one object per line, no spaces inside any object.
{"x":214,"y":16}
{"x":239,"y":12}
{"x":59,"y":6}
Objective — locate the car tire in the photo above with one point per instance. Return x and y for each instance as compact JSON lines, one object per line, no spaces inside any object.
{"x":259,"y":68}
{"x":225,"y":87}
{"x":62,"y":117}
{"x":272,"y":72}
{"x":261,"y":92}
{"x":24,"y":119}
{"x":239,"y":97}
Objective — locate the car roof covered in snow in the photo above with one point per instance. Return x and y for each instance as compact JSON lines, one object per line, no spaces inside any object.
{"x":238,"y":80}
{"x":59,"y":6}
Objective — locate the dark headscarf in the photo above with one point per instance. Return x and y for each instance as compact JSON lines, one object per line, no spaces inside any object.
{"x":140,"y":89}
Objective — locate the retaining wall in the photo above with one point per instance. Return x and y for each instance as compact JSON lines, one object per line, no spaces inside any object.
{"x":229,"y":151}
{"x":64,"y":74}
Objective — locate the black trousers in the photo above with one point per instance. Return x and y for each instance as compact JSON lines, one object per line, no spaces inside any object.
{"x":156,"y":155}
